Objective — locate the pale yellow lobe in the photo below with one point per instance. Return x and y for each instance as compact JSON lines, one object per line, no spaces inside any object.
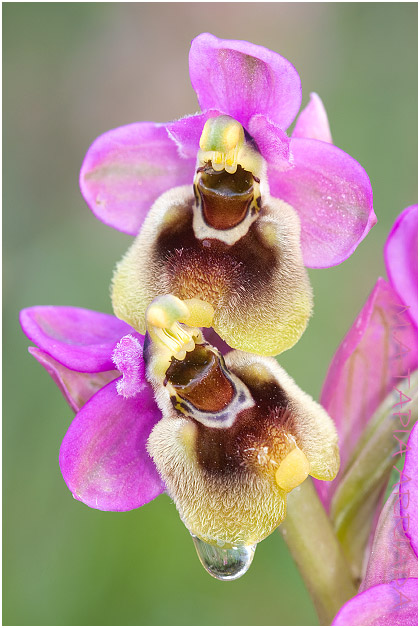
{"x":170,"y":338}
{"x":222,"y":134}
{"x":293,"y":470}
{"x":157,"y":317}
{"x":166,"y":310}
{"x":188,"y":436}
{"x":221,"y":140}
{"x":269,"y":234}
{"x":201,"y":313}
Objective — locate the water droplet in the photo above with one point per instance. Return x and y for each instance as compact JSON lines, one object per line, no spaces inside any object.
{"x":224,"y":564}
{"x":329,"y":201}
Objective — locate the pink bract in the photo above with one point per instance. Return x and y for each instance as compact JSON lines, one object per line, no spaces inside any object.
{"x":401,"y":258}
{"x":379,"y":350}
{"x":391,"y":604}
{"x":409,"y":491}
{"x":389,"y":592}
{"x":365,"y":369}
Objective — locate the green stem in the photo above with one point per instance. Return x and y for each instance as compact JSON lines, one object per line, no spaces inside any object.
{"x":310,"y":537}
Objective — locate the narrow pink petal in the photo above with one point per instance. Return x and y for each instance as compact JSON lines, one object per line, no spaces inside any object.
{"x":103,"y":456}
{"x":126,"y":169}
{"x":242,"y":79}
{"x":377,"y":353}
{"x":312,"y":122}
{"x":272,"y":141}
{"x":409,"y":491}
{"x":81,"y":340}
{"x":401,"y":258}
{"x":333,"y":197}
{"x":391,"y":556}
{"x":77,"y":388}
{"x":214,"y":339}
{"x":392,"y":604}
{"x":186,"y":132}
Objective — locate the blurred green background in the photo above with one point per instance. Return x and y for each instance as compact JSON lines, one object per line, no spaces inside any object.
{"x":71,"y":72}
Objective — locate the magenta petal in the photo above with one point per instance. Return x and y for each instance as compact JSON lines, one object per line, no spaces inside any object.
{"x":186,"y":132}
{"x":272,"y":141}
{"x":401,"y":261}
{"x":409,"y":491}
{"x":80,"y":339}
{"x":126,"y":169}
{"x":333,"y":197}
{"x":379,"y":349}
{"x":103,"y":456}
{"x":242,"y":79}
{"x":77,"y":388}
{"x":392,"y":604}
{"x":312,"y":122}
{"x":391,"y":556}
{"x":214,"y":339}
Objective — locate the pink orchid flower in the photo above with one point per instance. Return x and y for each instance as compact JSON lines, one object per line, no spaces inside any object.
{"x":128,"y":168}
{"x":97,"y":361}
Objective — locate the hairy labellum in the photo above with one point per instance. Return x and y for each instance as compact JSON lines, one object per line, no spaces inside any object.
{"x":229,"y":481}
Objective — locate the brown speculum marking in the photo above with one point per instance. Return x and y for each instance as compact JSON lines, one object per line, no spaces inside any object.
{"x":225,"y":198}
{"x":201,"y":380}
{"x":258,"y":436}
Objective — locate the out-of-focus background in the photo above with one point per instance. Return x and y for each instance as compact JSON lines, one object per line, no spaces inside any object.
{"x":71,"y":72}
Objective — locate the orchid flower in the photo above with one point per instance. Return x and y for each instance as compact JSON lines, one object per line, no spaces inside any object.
{"x":228,"y":461}
{"x":254,"y":206}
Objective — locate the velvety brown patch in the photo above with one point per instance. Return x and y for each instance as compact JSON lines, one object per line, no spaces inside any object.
{"x":259,"y":437}
{"x":210,"y":269}
{"x":200,"y":380}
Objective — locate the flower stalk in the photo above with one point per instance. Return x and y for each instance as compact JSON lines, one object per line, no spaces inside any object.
{"x":317,"y":552}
